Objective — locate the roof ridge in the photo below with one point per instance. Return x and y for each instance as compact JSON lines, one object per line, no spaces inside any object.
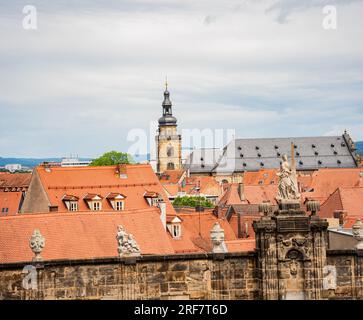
{"x":77,"y":213}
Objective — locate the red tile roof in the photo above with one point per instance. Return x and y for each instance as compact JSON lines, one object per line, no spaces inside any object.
{"x":254,"y":194}
{"x":9,"y":203}
{"x":347,"y":199}
{"x":326,"y":181}
{"x":80,"y":181}
{"x":81,"y":235}
{"x":171,"y":176}
{"x":264,"y":176}
{"x":14,"y":180}
{"x":200,"y":238}
{"x":207,"y":186}
{"x":241,"y":245}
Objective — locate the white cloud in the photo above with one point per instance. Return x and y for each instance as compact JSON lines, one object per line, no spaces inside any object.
{"x":93,"y":71}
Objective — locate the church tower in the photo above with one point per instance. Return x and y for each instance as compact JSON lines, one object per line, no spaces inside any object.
{"x":168,"y":141}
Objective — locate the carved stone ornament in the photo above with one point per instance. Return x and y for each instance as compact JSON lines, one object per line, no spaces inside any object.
{"x":313,"y":206}
{"x":217,"y":237}
{"x":127,"y":245}
{"x":36,"y":244}
{"x":357,"y":231}
{"x":290,"y":244}
{"x":287,"y":188}
{"x":293,"y":267}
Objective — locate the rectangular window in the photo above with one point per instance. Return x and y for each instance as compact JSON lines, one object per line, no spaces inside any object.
{"x":96,"y":206}
{"x":119,"y":205}
{"x":73,"y":206}
{"x":176,"y":230}
{"x":5,"y":210}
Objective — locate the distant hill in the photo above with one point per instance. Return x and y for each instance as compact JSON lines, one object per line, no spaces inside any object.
{"x":29,"y":162}
{"x":33,"y":162}
{"x":359,"y":146}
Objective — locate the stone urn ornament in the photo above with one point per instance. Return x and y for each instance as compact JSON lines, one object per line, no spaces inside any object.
{"x":217,"y":237}
{"x":37,"y":243}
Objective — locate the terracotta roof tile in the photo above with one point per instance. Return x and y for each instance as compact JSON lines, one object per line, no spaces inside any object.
{"x":14,"y":180}
{"x":80,"y":181}
{"x":81,"y":235}
{"x":241,"y":245}
{"x":9,"y":203}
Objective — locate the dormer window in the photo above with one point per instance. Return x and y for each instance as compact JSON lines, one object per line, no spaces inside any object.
{"x":153,"y":198}
{"x":73,"y":206}
{"x":176,"y":229}
{"x":71,"y":202}
{"x":173,"y":225}
{"x":94,"y":201}
{"x":96,"y":206}
{"x":117,"y":201}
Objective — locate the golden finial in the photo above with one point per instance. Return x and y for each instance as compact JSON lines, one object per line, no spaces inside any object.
{"x":166,"y":82}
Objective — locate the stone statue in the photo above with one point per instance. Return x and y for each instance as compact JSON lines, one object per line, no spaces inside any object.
{"x":287,"y":182}
{"x":37,"y":243}
{"x":127,"y":245}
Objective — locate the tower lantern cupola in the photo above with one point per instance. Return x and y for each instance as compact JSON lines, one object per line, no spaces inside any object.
{"x":167,"y":119}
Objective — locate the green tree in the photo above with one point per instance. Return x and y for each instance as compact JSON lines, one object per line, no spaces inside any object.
{"x":112,"y":158}
{"x":187,"y":201}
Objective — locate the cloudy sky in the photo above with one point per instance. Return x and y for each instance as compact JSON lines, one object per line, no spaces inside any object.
{"x":94,"y":70}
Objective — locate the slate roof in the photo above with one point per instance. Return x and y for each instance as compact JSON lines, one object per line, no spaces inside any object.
{"x":203,"y":160}
{"x":311,"y":153}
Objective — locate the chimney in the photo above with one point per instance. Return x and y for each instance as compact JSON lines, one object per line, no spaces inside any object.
{"x":121,"y":171}
{"x":241,"y":192}
{"x":162,"y":207}
{"x":341,"y":215}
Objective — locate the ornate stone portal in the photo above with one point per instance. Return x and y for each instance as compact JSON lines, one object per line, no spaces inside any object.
{"x":291,"y":246}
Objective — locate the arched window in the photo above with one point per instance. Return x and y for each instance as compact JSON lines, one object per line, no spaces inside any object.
{"x":170,"y":151}
{"x":170,"y":166}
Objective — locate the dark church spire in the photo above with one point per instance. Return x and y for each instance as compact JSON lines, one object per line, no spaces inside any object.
{"x":167,"y":118}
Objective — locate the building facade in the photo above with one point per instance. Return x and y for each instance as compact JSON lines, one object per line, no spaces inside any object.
{"x":168,"y":141}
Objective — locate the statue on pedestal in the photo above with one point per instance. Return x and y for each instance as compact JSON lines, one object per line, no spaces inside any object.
{"x":288,"y":189}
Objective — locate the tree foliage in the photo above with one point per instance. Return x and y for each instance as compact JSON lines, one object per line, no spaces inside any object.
{"x":192,"y":202}
{"x":111,"y":158}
